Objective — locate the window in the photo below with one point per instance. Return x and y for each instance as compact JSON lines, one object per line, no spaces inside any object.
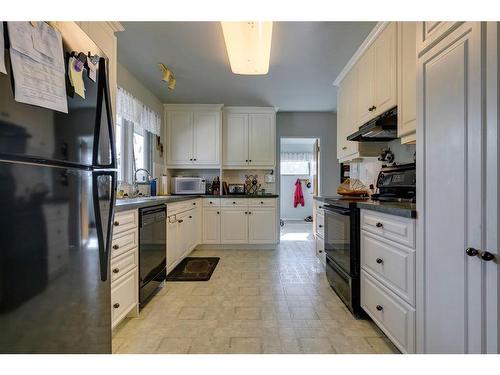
{"x":136,"y":129}
{"x":295,"y":167}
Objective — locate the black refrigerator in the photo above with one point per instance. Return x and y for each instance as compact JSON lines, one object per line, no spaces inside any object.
{"x":57,"y":192}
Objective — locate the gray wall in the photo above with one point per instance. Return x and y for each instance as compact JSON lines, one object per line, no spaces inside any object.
{"x":322,"y":125}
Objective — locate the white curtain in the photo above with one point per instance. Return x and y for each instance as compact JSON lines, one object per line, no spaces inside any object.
{"x":133,"y":110}
{"x":296,"y":156}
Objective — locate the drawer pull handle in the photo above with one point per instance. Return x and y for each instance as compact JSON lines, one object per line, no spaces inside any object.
{"x":470,"y":251}
{"x":234,"y":202}
{"x":210,"y":202}
{"x":246,"y":213}
{"x":249,"y":213}
{"x":320,"y":226}
{"x":180,"y":221}
{"x":116,"y":305}
{"x":116,"y":270}
{"x":190,"y":217}
{"x":379,"y":261}
{"x":379,"y":225}
{"x":116,"y":223}
{"x":217,"y":212}
{"x":116,"y":247}
{"x":379,"y":308}
{"x":261,"y":202}
{"x":321,"y":251}
{"x":487,"y":256}
{"x":194,"y":204}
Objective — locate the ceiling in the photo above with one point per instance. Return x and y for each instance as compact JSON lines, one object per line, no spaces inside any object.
{"x":306,"y":57}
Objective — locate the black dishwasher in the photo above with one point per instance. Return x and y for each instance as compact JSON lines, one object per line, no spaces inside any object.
{"x":152,"y":251}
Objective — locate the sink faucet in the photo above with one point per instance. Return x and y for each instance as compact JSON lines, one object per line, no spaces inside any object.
{"x":136,"y":189}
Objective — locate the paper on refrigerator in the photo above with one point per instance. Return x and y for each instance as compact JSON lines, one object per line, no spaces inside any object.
{"x":38,"y":65}
{"x":2,"y":51}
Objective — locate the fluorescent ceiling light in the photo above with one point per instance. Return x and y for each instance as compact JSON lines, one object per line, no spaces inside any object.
{"x":248,"y":46}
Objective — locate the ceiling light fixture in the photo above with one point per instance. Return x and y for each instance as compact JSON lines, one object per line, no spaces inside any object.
{"x":167,"y":77}
{"x":248,"y":46}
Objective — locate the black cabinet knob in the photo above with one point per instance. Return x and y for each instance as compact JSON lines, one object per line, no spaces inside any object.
{"x":116,"y":247}
{"x":487,"y":256}
{"x":379,"y":261}
{"x":190,"y":217}
{"x":379,"y":225}
{"x":320,"y":226}
{"x":116,"y":305}
{"x":194,"y":204}
{"x":116,"y":223}
{"x":180,"y":221}
{"x":234,"y":202}
{"x":379,"y":308}
{"x":249,"y":213}
{"x":470,"y":251}
{"x":217,"y":212}
{"x":116,"y":270}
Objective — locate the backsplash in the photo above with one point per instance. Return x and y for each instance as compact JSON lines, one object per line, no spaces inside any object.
{"x":237,"y":176}
{"x":368,"y":169}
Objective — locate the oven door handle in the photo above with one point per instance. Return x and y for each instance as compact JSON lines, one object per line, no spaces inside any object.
{"x":337,"y":210}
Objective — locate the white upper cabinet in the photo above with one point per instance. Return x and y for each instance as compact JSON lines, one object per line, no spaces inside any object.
{"x":249,"y":137}
{"x":431,"y":32}
{"x":385,"y":70}
{"x":235,"y":139}
{"x":377,"y":78}
{"x":407,"y":78}
{"x":193,"y":135}
{"x":346,"y":116}
{"x":206,"y":140}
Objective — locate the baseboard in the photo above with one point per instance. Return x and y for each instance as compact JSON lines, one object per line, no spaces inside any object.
{"x":236,"y":247}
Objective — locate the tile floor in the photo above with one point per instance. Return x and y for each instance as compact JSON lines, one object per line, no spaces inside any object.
{"x":265,"y":301}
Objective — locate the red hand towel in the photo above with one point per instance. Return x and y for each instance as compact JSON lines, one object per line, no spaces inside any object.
{"x":298,"y":197}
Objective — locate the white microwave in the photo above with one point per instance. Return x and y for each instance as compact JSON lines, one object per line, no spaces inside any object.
{"x":188,"y":185}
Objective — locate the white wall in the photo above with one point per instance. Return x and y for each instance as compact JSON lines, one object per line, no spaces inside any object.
{"x":128,"y":82}
{"x":322,"y":125}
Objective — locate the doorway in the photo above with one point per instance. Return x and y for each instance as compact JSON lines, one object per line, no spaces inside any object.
{"x":299,"y":172}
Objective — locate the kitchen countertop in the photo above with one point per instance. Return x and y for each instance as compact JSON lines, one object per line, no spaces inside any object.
{"x":124,"y":204}
{"x":404,"y":209}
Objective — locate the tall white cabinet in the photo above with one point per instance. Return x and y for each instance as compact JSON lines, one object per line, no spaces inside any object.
{"x":457,"y":191}
{"x":249,"y":137}
{"x":193,"y":135}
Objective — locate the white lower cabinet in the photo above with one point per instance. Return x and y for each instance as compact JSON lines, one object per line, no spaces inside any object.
{"x":261,"y":225}
{"x":387,"y":250}
{"x":239,"y":221}
{"x":124,"y":267}
{"x":234,"y":224}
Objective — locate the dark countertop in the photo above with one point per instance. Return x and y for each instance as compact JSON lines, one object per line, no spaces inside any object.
{"x":133,"y":203}
{"x":404,"y":209}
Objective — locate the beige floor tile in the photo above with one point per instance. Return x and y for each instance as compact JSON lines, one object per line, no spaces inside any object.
{"x":245,"y":345}
{"x":174,"y":345}
{"x":257,"y":301}
{"x":189,"y":313}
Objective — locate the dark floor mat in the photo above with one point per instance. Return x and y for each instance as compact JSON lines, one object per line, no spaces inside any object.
{"x":194,"y":269}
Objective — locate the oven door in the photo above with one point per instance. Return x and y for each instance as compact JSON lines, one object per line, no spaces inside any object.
{"x":338,"y":242}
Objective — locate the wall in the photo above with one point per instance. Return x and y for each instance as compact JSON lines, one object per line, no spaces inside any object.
{"x":322,"y":125}
{"x":128,"y":82}
{"x":367,"y":170}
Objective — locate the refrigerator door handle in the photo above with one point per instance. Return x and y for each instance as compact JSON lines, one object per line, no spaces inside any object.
{"x":104,"y":237}
{"x":103,"y":100}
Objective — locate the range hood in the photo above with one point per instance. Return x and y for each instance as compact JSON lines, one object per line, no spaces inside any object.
{"x":381,"y":129}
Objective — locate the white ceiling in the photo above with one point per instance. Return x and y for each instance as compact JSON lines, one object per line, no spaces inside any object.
{"x":306,"y":57}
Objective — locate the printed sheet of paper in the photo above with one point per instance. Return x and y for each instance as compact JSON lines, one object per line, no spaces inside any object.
{"x":2,"y":51}
{"x":38,"y":65}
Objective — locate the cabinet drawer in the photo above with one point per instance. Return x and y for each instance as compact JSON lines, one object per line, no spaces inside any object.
{"x":398,"y":229}
{"x":211,"y":202}
{"x":394,"y":316}
{"x":262,"y":202}
{"x":319,"y":207}
{"x":391,"y":263}
{"x":122,"y":264}
{"x":175,"y":208}
{"x":234,"y":202}
{"x":125,"y":221}
{"x":124,"y":242}
{"x":124,"y":295}
{"x":320,"y":250}
{"x":320,"y":225}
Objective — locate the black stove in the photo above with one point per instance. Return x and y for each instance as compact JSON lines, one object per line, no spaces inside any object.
{"x":396,"y":184}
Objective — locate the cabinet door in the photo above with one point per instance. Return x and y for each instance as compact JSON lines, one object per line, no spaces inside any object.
{"x":235,"y":139}
{"x":430,"y":32}
{"x":451,"y":199}
{"x":365,"y":91}
{"x":384,"y":78}
{"x":407,"y":80}
{"x":261,"y":139}
{"x":211,"y":226}
{"x":347,"y":112}
{"x":180,"y":138}
{"x":206,"y":141}
{"x":262,"y":226}
{"x":234,"y":225}
{"x":172,"y":237}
